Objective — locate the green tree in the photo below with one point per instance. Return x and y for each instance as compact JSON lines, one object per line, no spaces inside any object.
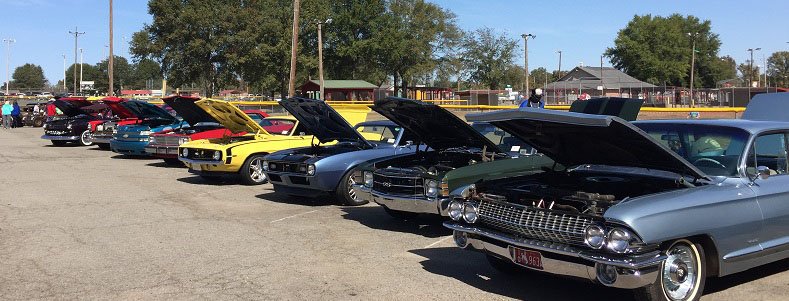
{"x":665,"y":58}
{"x":123,"y":75}
{"x":538,"y":77}
{"x":89,"y":73}
{"x":778,"y":69}
{"x":749,"y":73}
{"x":29,"y":76}
{"x":147,"y":72}
{"x":489,"y":56}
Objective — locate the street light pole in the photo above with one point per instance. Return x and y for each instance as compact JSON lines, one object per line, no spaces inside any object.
{"x":750,"y":71}
{"x":81,"y":57}
{"x":692,"y":66}
{"x":294,"y":45}
{"x":8,"y":63}
{"x":560,"y":62}
{"x":320,"y":55}
{"x":64,"y":73}
{"x":110,"y":60}
{"x":526,"y":58}
{"x":76,"y":34}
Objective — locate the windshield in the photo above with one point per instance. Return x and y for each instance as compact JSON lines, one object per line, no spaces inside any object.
{"x":277,"y":126}
{"x":504,"y":140}
{"x":715,"y":150}
{"x":379,"y":133}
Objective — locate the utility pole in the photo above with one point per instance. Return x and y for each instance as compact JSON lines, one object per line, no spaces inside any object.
{"x":81,"y":57}
{"x":8,"y":43}
{"x":320,"y":54}
{"x":692,"y":66}
{"x":293,"y":49}
{"x":750,"y":71}
{"x":76,"y":34}
{"x":526,"y":37}
{"x":110,"y":59}
{"x":602,"y":83}
{"x":560,"y":63}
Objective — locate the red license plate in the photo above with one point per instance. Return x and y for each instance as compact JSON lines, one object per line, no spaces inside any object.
{"x":527,"y":258}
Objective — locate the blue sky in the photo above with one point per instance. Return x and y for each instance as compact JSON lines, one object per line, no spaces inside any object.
{"x":581,"y":29}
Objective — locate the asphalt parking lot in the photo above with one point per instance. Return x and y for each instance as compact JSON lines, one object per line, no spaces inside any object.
{"x":82,"y":223}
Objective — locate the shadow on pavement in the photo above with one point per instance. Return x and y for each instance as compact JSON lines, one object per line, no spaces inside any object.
{"x":295,"y":200}
{"x":218,"y":181}
{"x":375,"y":217}
{"x":133,"y":157}
{"x":714,"y":285}
{"x":472,"y":268}
{"x":163,"y":164}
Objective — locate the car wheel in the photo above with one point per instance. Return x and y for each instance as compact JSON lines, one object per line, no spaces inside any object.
{"x":83,"y":139}
{"x":345,"y":193}
{"x":400,"y":214}
{"x":252,"y":171}
{"x":681,"y":276}
{"x":59,"y":142}
{"x":38,"y":123}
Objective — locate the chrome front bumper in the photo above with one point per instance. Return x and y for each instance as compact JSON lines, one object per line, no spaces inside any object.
{"x":162,"y":150}
{"x":632,"y":271}
{"x":194,"y":161}
{"x":61,"y":138}
{"x":399,"y":203}
{"x":100,"y":139}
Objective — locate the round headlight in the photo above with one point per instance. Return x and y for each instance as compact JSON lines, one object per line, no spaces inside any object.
{"x":217,"y":155}
{"x":594,"y":236}
{"x":470,"y":212}
{"x":183,"y":140}
{"x":432,"y":188}
{"x":310,"y":170}
{"x":368,"y":179}
{"x":153,"y":140}
{"x":265,"y":165}
{"x":184,"y":152}
{"x":455,"y":210}
{"x":619,"y":240}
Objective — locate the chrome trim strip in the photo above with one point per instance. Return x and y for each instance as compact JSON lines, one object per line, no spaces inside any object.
{"x":193,"y":161}
{"x":67,"y":138}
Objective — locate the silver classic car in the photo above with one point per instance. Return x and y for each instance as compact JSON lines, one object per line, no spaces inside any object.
{"x":653,"y":206}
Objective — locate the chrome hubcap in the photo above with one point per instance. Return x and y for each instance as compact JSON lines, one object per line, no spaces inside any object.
{"x":85,"y":138}
{"x":256,"y":170}
{"x":351,"y":193}
{"x":679,"y":272}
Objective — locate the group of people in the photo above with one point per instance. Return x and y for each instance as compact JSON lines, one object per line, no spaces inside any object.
{"x":11,"y":114}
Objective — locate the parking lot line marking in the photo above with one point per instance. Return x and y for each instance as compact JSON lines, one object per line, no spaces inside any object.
{"x":292,"y":216}
{"x":438,"y":242}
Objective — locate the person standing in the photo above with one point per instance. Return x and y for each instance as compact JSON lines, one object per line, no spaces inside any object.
{"x":15,"y":114}
{"x":6,"y":110}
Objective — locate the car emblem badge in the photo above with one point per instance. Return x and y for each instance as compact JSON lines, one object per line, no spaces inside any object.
{"x":387,"y":184}
{"x":125,"y":135}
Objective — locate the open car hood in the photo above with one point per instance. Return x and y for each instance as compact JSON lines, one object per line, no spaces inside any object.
{"x":144,"y":110}
{"x":188,"y":110}
{"x":767,"y":107}
{"x":572,"y":139}
{"x":431,"y":124}
{"x":72,"y":106}
{"x":115,"y":105}
{"x":322,"y":121}
{"x":230,"y":116}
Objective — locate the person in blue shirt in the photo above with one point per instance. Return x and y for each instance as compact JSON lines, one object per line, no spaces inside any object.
{"x":15,"y":113}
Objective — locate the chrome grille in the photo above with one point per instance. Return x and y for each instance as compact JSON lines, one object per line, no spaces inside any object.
{"x":534,"y":222}
{"x":167,"y":140}
{"x":398,"y":185}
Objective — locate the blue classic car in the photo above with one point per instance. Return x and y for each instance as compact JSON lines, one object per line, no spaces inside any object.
{"x":325,"y":170}
{"x":653,"y":206}
{"x":132,"y":139}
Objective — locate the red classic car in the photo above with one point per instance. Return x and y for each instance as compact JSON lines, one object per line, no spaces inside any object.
{"x":201,"y":126}
{"x":101,"y":130}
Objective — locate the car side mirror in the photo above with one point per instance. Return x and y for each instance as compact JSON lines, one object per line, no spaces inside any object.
{"x":408,"y":144}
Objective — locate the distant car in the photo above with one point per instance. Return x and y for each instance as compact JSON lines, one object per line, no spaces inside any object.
{"x":132,"y":139}
{"x":31,"y":118}
{"x":654,"y":206}
{"x":73,"y":124}
{"x":101,"y":131}
{"x":326,"y":170}
{"x":202,"y":125}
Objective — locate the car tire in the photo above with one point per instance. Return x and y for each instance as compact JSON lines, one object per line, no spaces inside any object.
{"x":252,"y":171}
{"x":104,"y":146}
{"x":59,"y":142}
{"x":345,"y":194}
{"x":83,"y":139}
{"x":38,"y":123}
{"x":401,"y":214}
{"x":685,"y":262}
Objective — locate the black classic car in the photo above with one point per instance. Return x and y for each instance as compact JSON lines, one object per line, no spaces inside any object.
{"x":73,"y":124}
{"x":31,"y":117}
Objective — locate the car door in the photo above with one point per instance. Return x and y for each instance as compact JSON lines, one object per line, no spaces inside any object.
{"x":772,"y":193}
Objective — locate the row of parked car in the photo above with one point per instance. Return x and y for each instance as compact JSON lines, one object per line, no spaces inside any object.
{"x":653,"y":206}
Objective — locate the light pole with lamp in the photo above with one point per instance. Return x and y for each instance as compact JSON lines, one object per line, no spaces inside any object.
{"x":559,"y":72}
{"x":76,"y":34}
{"x":526,"y":37}
{"x":8,"y":43}
{"x":750,"y":70}
{"x":320,"y":54}
{"x":81,"y":57}
{"x":64,"y":73}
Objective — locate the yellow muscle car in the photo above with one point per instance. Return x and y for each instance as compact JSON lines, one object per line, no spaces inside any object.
{"x":243,"y":155}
